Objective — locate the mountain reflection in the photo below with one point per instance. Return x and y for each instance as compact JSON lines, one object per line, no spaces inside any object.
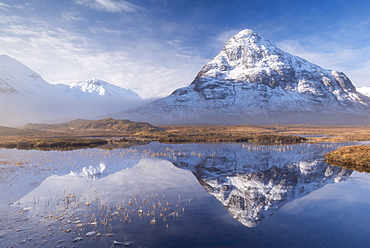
{"x":124,"y":192}
{"x":254,"y":182}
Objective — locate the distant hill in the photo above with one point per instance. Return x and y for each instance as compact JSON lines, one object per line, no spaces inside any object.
{"x":57,"y":126}
{"x":8,"y":130}
{"x":118,"y":125}
{"x":107,"y":124}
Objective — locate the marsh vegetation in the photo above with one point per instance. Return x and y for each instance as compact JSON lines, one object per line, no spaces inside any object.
{"x":351,"y":157}
{"x":124,"y":133}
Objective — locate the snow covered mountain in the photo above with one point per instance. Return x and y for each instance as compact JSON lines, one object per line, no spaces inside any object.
{"x":26,"y":97}
{"x":15,"y":77}
{"x":99,"y":88}
{"x":364,"y":90}
{"x":253,"y":81}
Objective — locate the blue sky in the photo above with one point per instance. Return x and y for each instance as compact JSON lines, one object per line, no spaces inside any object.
{"x":157,"y":46}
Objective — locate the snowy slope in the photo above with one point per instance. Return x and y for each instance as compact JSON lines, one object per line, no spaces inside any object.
{"x":253,"y":81}
{"x":26,"y":97}
{"x":18,"y":78}
{"x":15,"y":77}
{"x":99,"y":88}
{"x":364,"y":90}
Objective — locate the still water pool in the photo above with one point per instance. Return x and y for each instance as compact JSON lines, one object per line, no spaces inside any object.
{"x":184,"y":195}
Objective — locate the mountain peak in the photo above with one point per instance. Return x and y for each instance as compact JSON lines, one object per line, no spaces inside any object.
{"x":249,"y":58}
{"x":248,"y":39}
{"x":246,"y":33}
{"x":244,"y":52}
{"x":253,"y":81}
{"x":95,"y":81}
{"x":97,"y":87}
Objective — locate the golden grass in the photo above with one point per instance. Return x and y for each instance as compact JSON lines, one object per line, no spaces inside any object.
{"x":133,"y":133}
{"x":51,"y":143}
{"x":351,"y":157}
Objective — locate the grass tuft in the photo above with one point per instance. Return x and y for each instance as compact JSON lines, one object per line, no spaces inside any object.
{"x":351,"y":157}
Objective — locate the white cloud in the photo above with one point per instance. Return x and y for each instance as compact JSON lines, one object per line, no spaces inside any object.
{"x":106,"y":31}
{"x":22,"y":6}
{"x":4,"y":19}
{"x":4,"y":6}
{"x":109,"y":5}
{"x":71,"y":17}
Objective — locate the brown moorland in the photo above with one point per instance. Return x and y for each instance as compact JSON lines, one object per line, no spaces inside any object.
{"x":351,"y":157}
{"x":122,"y":133}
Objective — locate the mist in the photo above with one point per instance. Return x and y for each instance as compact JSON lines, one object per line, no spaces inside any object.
{"x":17,"y":110}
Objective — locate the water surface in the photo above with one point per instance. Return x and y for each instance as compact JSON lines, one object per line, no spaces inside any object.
{"x":186,"y":195}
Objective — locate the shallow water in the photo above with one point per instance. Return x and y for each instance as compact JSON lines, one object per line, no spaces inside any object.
{"x":186,"y":195}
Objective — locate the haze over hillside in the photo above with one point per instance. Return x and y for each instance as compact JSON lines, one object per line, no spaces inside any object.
{"x":253,"y":81}
{"x":26,"y":97}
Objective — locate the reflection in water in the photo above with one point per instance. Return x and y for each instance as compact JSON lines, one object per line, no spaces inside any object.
{"x":253,"y":195}
{"x":99,"y":192}
{"x":253,"y":182}
{"x":90,"y":171}
{"x":99,"y":212}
